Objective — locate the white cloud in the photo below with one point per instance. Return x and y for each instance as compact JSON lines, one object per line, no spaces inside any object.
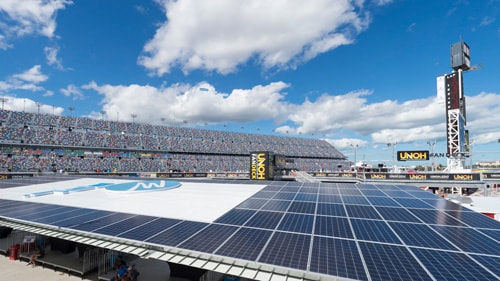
{"x":72,"y":91}
{"x":33,"y":75}
{"x":220,"y":35}
{"x":27,"y":80}
{"x":30,"y":17}
{"x":51,"y":57}
{"x":205,"y":104}
{"x":343,"y":120}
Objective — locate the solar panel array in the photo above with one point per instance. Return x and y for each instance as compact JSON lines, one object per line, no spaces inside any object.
{"x":356,"y":231}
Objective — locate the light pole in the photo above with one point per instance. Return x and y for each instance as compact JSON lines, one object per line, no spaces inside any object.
{"x":38,"y":104}
{"x":393,"y":146}
{"x":3,"y":100}
{"x":431,"y":148}
{"x":71,"y":108}
{"x":102,"y":114}
{"x":355,"y":147}
{"x":133,"y":117}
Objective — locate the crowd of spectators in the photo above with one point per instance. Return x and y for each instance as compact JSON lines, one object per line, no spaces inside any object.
{"x":84,"y":144}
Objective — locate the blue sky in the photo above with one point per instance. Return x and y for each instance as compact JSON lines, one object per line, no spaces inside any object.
{"x":356,"y":73}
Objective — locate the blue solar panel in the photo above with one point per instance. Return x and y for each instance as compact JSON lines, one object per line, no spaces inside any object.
{"x":396,"y":214}
{"x":302,"y":207}
{"x":297,"y":223}
{"x":492,"y":263}
{"x":287,"y":249}
{"x":350,"y":191}
{"x":494,"y":234}
{"x":326,"y":209}
{"x":246,"y":243}
{"x":308,"y":197}
{"x":387,"y":262}
{"x":98,"y":222}
{"x":210,"y":238}
{"x":396,"y":193}
{"x":285,"y":195}
{"x":421,"y":235}
{"x":264,"y":194}
{"x":373,"y":230}
{"x":55,"y":210}
{"x":149,"y":229}
{"x":272,"y":188}
{"x":177,"y":233}
{"x":265,"y":219}
{"x":360,"y":211}
{"x":337,"y":257}
{"x":469,"y":240}
{"x":333,"y":227}
{"x":330,"y":198}
{"x":372,"y":192}
{"x":116,"y":229}
{"x":452,"y":266}
{"x":383,"y":201}
{"x":474,"y":219}
{"x":236,"y":216}
{"x":443,"y":204}
{"x":435,"y":217}
{"x":76,"y":218}
{"x":252,"y":203}
{"x":355,"y":200}
{"x":413,"y":203}
{"x":21,"y":210}
{"x":276,"y":205}
{"x":328,"y":190}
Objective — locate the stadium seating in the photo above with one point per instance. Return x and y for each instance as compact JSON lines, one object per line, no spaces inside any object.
{"x":44,"y":142}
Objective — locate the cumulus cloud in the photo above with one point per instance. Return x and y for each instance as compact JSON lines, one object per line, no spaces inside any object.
{"x":221,"y":35}
{"x":33,"y":75}
{"x":27,"y":80}
{"x":331,"y":117}
{"x":30,"y":17}
{"x":197,"y":104}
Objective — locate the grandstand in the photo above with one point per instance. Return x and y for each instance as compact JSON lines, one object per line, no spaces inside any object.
{"x":31,"y":142}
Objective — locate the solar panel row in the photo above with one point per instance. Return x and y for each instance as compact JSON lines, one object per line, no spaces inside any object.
{"x":357,"y":231}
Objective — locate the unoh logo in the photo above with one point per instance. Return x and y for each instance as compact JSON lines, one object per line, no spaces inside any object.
{"x":127,"y":187}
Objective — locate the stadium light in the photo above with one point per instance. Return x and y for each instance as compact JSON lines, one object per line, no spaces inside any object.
{"x":3,"y":100}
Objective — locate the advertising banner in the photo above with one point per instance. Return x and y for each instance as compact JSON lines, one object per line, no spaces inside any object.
{"x":414,"y":155}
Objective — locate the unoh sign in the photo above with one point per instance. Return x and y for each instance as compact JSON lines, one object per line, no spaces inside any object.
{"x":416,"y":155}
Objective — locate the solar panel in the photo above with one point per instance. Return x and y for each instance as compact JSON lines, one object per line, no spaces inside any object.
{"x":337,"y":257}
{"x":360,"y":211}
{"x":265,"y":219}
{"x":302,"y":207}
{"x":276,"y":205}
{"x":326,"y":209}
{"x":236,"y":216}
{"x":383,"y":201}
{"x":468,"y":239}
{"x":452,"y":266}
{"x":119,"y":227}
{"x":149,"y":229}
{"x":474,"y":219}
{"x":209,"y":239}
{"x":388,"y":262}
{"x":297,"y":223}
{"x":435,"y":217}
{"x":287,"y":249}
{"x":355,"y":200}
{"x":421,"y":235}
{"x":246,"y":243}
{"x":396,"y":214}
{"x":373,"y":230}
{"x":344,"y":230}
{"x":177,"y":233}
{"x":333,"y":227}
